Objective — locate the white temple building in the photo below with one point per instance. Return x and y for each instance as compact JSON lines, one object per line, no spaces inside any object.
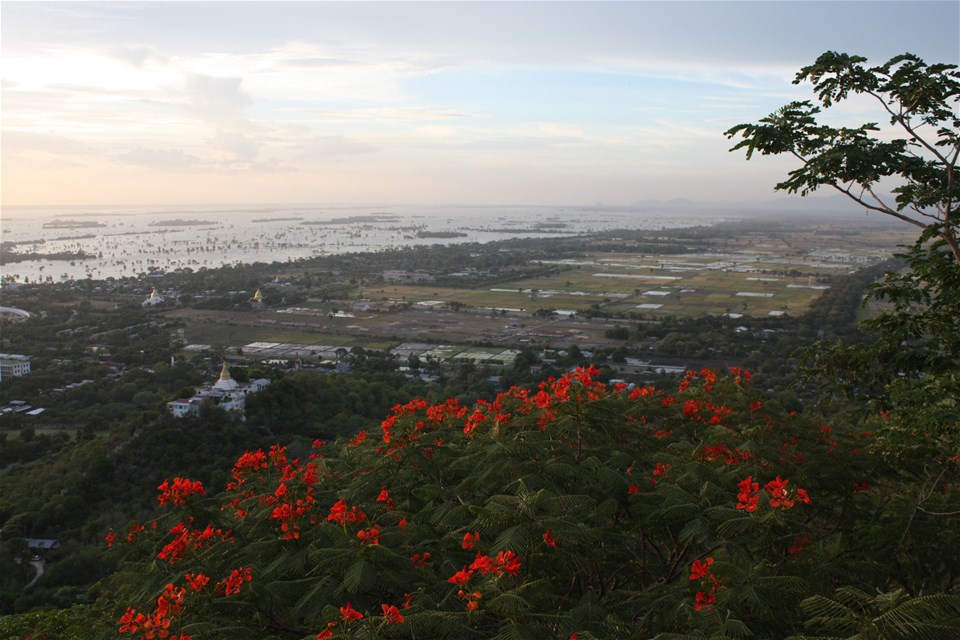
{"x":226,"y":393}
{"x":154,"y":299}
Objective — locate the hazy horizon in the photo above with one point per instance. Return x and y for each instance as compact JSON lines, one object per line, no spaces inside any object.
{"x":472,"y":104}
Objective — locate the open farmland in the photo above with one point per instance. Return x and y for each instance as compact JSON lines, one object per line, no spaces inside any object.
{"x":737,"y":272}
{"x":661,"y":285}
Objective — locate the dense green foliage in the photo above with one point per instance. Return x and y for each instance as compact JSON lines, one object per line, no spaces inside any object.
{"x":579,"y":509}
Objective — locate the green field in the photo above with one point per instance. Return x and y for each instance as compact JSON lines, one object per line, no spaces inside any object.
{"x":620,"y":283}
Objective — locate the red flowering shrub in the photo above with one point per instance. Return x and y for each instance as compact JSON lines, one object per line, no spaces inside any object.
{"x":572,"y":510}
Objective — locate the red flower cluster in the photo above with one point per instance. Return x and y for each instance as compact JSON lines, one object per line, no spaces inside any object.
{"x":549,"y":539}
{"x":473,"y":599}
{"x":798,"y":544}
{"x":506,"y":562}
{"x":748,"y":496}
{"x":419,"y":560}
{"x":722,"y":451}
{"x":230,"y":585}
{"x":349,"y":613}
{"x":741,"y":376}
{"x":158,"y":623}
{"x":178,"y":491}
{"x":780,"y":497}
{"x":186,"y":539}
{"x":708,"y":376}
{"x":247,"y":464}
{"x":470,"y":540}
{"x":369,"y":536}
{"x":196,"y":581}
{"x":292,"y":499}
{"x":702,"y":572}
{"x":384,"y":496}
{"x":391,"y":613}
{"x":341,"y":514}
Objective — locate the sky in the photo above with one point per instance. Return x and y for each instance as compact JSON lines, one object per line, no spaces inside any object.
{"x":418,"y":103}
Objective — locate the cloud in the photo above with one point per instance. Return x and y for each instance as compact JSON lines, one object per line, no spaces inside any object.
{"x":138,"y":56}
{"x":19,"y":141}
{"x":404,"y":114}
{"x":157,"y":158}
{"x":215,"y":98}
{"x":235,"y":147}
{"x":315,"y":62}
{"x":329,"y":146}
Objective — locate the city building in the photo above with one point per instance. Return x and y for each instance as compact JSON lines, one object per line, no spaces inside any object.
{"x":399,"y":275}
{"x":13,"y":366}
{"x":12,"y":314}
{"x":154,"y":300}
{"x":256,"y":302}
{"x":226,"y":393}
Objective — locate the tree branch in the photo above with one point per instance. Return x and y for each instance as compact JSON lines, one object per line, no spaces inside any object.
{"x":885,"y":210}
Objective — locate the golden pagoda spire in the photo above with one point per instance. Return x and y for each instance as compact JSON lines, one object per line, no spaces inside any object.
{"x":224,"y":373}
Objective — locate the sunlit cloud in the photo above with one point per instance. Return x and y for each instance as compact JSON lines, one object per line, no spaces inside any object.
{"x":330,"y":146}
{"x":215,"y":99}
{"x":235,"y":147}
{"x":157,"y":158}
{"x":19,"y":141}
{"x":414,"y":101}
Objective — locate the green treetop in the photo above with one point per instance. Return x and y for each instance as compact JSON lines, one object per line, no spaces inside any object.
{"x":914,"y":158}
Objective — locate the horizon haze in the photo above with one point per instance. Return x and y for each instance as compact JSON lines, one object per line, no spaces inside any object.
{"x":544,"y":103}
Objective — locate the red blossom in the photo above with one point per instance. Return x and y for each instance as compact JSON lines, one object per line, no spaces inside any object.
{"x":747,"y":498}
{"x":779,"y":496}
{"x":483,"y":564}
{"x":341,"y":514}
{"x":231,"y":584}
{"x":391,"y":613}
{"x":662,"y":470}
{"x":798,"y":544}
{"x":369,"y":536}
{"x":470,"y":540}
{"x":137,"y":529}
{"x":460,"y":577}
{"x":177,"y":492}
{"x":700,"y":570}
{"x":549,"y":539}
{"x":196,"y":581}
{"x":508,"y":562}
{"x":419,"y":560}
{"x":704,"y":600}
{"x":691,"y":408}
{"x":349,"y":613}
{"x":473,"y":599}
